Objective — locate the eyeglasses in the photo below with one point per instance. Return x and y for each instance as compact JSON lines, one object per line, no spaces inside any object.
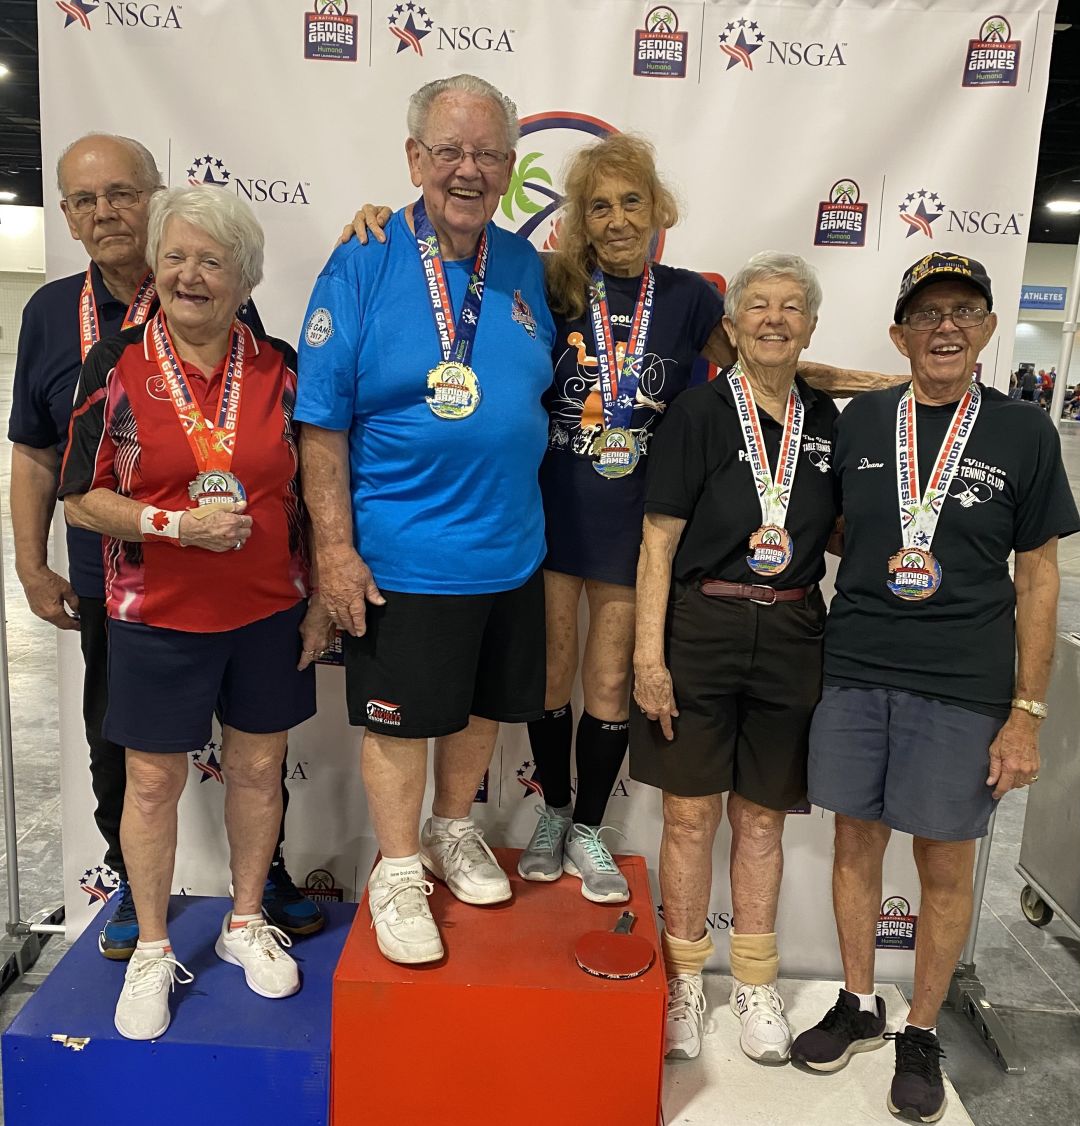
{"x":450,"y":156}
{"x":120,"y":199}
{"x":963,"y":317}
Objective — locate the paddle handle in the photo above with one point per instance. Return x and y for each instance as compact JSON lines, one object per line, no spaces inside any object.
{"x":625,"y":923}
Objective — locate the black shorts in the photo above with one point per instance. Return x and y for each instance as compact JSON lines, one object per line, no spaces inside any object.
{"x":429,"y":661}
{"x":747,"y":678}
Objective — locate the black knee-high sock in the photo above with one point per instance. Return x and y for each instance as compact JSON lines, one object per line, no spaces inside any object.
{"x":601,"y":747}
{"x":550,"y":740}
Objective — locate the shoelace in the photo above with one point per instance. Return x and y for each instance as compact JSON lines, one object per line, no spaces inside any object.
{"x":412,"y":906}
{"x":470,"y":848}
{"x":765,"y":997}
{"x":265,"y":937}
{"x":125,"y":906}
{"x":594,"y":847}
{"x":548,"y":830}
{"x":918,"y":1053}
{"x":148,"y":975}
{"x":842,"y":1020}
{"x":685,"y":998}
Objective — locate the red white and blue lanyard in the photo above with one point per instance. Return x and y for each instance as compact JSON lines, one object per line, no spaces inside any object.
{"x":618,"y":389}
{"x":138,"y":310}
{"x":455,"y":339}
{"x":213,"y":445}
{"x":919,"y":515}
{"x":774,"y":494}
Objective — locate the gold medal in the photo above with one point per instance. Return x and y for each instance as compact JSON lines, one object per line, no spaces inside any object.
{"x":216,"y":486}
{"x":771,"y":550}
{"x":455,"y":390}
{"x":914,"y":574}
{"x":616,"y":451}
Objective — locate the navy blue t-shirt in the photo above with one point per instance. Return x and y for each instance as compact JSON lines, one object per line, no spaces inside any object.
{"x":47,"y":369}
{"x":593,"y":523}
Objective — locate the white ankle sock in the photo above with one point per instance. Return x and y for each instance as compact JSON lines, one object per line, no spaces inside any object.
{"x":400,"y":862}
{"x":449,"y":824}
{"x":238,"y":922}
{"x":867,"y":1001}
{"x":158,"y":945}
{"x":917,"y":1028}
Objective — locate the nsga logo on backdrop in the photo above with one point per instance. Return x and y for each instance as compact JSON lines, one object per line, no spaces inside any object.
{"x":742,"y":38}
{"x":207,"y":763}
{"x":920,"y":210}
{"x":412,"y":24}
{"x":841,"y":219}
{"x":660,"y":47}
{"x":209,"y":169}
{"x":330,"y":32}
{"x":98,"y":883}
{"x":994,"y":58}
{"x":896,"y":925}
{"x":121,"y":13}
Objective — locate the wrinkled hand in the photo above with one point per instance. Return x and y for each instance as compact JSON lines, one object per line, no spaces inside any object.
{"x":654,"y":694}
{"x":347,"y":586}
{"x":224,"y":529}
{"x":368,"y":219}
{"x":51,"y":598}
{"x":1014,"y":754}
{"x":316,"y":631}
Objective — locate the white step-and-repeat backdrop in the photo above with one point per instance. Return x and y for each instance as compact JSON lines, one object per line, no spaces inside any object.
{"x":857,"y":134}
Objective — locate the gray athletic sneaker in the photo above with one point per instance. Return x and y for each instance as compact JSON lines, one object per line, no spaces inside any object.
{"x":543,"y":859}
{"x":587,"y":857}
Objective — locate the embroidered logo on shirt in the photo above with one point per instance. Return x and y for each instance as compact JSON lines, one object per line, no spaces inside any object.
{"x":379,"y":711}
{"x":522,"y":314}
{"x":866,"y":463}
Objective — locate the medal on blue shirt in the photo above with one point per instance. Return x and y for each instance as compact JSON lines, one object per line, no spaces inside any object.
{"x":616,"y":448}
{"x":914,"y":572}
{"x":453,"y":383}
{"x":771,"y":546}
{"x":138,"y":310}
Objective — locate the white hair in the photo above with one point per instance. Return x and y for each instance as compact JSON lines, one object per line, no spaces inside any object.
{"x":421,"y":102}
{"x":775,"y":264}
{"x":147,"y":170}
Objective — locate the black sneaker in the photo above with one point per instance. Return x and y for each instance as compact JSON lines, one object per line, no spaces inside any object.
{"x":918,"y":1092}
{"x":841,"y":1032}
{"x":285,"y":905}
{"x":120,"y":935}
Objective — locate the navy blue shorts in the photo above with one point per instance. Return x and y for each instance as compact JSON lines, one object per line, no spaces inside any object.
{"x":164,"y":684}
{"x":916,"y":764}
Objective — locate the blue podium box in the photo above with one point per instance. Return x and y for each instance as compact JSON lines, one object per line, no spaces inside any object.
{"x":229,"y":1057}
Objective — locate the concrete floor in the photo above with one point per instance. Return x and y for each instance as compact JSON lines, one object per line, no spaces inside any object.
{"x":1032,"y":976}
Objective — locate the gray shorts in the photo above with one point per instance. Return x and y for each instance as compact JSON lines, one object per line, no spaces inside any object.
{"x":918,"y":765}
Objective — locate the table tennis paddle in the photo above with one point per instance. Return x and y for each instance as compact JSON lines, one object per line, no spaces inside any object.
{"x":616,"y":954}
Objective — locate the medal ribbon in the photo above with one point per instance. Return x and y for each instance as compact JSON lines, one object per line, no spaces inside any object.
{"x":618,"y":389}
{"x":138,"y":310}
{"x":455,"y":340}
{"x":774,"y":494}
{"x":213,"y":445}
{"x":919,"y":516}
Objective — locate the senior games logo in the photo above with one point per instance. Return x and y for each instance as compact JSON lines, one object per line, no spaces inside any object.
{"x":742,"y":38}
{"x":122,"y":13}
{"x":98,"y":883}
{"x":841,"y":219}
{"x":994,"y":58}
{"x":896,"y":925}
{"x":530,"y":783}
{"x":321,"y":887}
{"x":210,"y":169}
{"x":412,"y":23}
{"x":660,"y":47}
{"x":207,"y":763}
{"x":330,"y":32}
{"x":381,"y":711}
{"x":921,"y":209}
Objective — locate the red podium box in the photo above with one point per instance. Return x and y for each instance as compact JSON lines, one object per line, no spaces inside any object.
{"x":506,"y":1029}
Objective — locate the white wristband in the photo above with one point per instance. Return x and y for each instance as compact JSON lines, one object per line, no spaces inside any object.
{"x":160,"y":523}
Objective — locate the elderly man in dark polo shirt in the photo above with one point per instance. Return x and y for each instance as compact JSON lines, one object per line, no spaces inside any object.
{"x":105,"y":187}
{"x":936,"y":661}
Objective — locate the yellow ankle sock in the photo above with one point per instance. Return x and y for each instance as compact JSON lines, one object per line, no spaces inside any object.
{"x":683,"y":956}
{"x":755,"y":959}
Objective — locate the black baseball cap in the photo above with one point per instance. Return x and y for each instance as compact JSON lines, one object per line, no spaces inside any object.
{"x":939,"y":265}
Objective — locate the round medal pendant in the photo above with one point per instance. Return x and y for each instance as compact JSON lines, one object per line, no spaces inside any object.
{"x":455,"y":390}
{"x":216,"y":486}
{"x":616,"y":451}
{"x":916,"y":574}
{"x":771,"y":550}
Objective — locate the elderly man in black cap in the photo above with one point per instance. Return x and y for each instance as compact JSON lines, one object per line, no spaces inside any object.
{"x":936,"y":660}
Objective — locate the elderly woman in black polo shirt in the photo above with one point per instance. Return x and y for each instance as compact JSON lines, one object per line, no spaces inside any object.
{"x":739,"y":508}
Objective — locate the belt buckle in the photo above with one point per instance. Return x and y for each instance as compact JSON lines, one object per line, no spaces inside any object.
{"x":762,"y":601}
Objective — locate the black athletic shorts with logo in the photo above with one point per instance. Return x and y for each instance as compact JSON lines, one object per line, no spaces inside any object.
{"x":429,"y":661}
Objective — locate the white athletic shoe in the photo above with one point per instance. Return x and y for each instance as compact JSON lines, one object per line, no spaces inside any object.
{"x":685,"y":1017}
{"x":142,"y":1012}
{"x":463,"y":861}
{"x":766,"y":1034}
{"x":404,"y":928}
{"x":257,"y":949}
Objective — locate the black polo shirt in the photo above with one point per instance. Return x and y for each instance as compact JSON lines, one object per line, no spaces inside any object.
{"x":47,"y":369}
{"x":699,"y":472}
{"x":1011,"y":493}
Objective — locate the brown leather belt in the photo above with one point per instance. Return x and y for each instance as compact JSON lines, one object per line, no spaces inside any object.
{"x":763,"y":595}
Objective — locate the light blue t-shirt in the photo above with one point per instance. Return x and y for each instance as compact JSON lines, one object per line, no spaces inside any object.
{"x":439,"y":506}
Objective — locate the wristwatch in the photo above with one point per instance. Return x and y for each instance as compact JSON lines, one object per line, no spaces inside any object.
{"x":1036,"y":707}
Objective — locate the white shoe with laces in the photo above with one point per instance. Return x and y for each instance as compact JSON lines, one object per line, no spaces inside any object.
{"x":404,"y":928}
{"x":142,"y":1012}
{"x":766,"y":1034}
{"x":257,"y":949}
{"x":685,"y":1017}
{"x":463,"y":861}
